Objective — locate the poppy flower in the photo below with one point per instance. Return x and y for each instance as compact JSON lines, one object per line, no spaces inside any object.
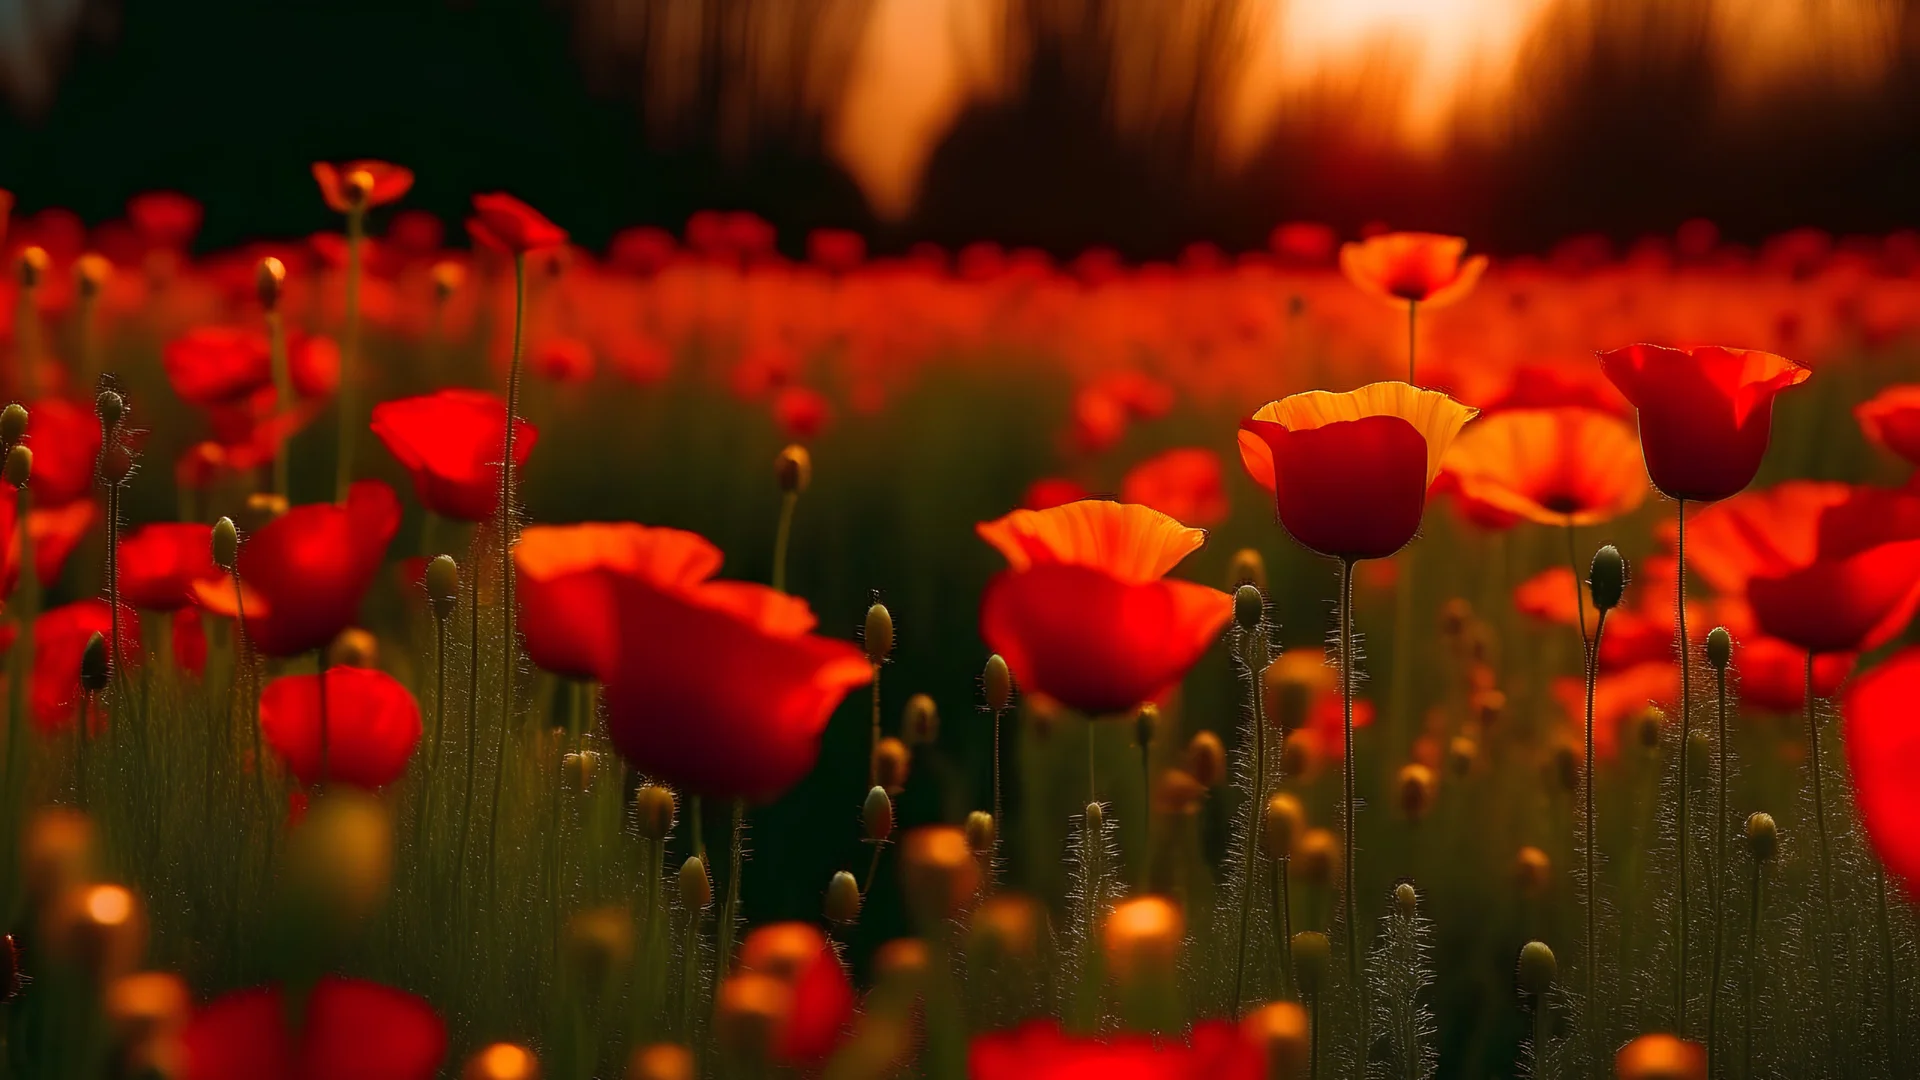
{"x":505,"y":222}
{"x":450,"y":442}
{"x":304,"y":572}
{"x":373,"y":724}
{"x":56,"y":533}
{"x":65,"y":439}
{"x":1350,"y":472}
{"x":1039,"y":1050}
{"x":189,"y":641}
{"x":214,"y":366}
{"x":565,"y":602}
{"x":1638,"y":633}
{"x":347,"y":1027}
{"x":1412,"y":267}
{"x":1184,"y":484}
{"x":159,"y":564}
{"x":802,"y":413}
{"x":1566,"y":466}
{"x":1773,"y":676}
{"x":837,"y":251}
{"x":164,"y":219}
{"x":390,"y":182}
{"x":1883,"y":753}
{"x":1706,"y":412}
{"x":1892,"y":421}
{"x":1826,"y":567}
{"x":59,"y":638}
{"x":1084,"y":613}
{"x":822,"y":1002}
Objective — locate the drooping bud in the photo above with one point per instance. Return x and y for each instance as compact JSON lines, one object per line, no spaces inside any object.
{"x":1415,"y":787}
{"x":443,"y":586}
{"x":876,"y":815}
{"x":502,"y":1061}
{"x":938,"y":872}
{"x":597,"y":948}
{"x":653,"y":810}
{"x":1279,"y":1031}
{"x":1247,"y":568}
{"x":877,"y":635}
{"x":95,"y":668}
{"x":1318,"y":857}
{"x":1249,"y":608}
{"x":696,"y":889}
{"x":1536,"y":969}
{"x":1763,"y":837}
{"x":269,"y":281}
{"x":1312,"y":954}
{"x":97,"y":929}
{"x":920,"y":721}
{"x":13,"y":424}
{"x":19,"y":468}
{"x":661,"y":1061}
{"x":1206,"y":759}
{"x":354,"y":647}
{"x":843,"y":898}
{"x":793,"y":469}
{"x":91,"y":272}
{"x":226,"y":544}
{"x":111,"y":408}
{"x":1285,"y":820}
{"x":1719,"y":648}
{"x":31,"y":266}
{"x":1661,"y":1057}
{"x":1532,"y":870}
{"x":1142,"y":939}
{"x":891,"y":761}
{"x":997,"y":683}
{"x":357,"y":185}
{"x":1607,"y":578}
{"x":1406,"y":899}
{"x":980,"y":832}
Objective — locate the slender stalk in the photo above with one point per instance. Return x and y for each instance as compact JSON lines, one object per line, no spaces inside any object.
{"x":1313,"y":1037}
{"x":1719,"y":862}
{"x":873,"y":744}
{"x":999,"y":823}
{"x":1685,"y":830}
{"x":283,"y":396}
{"x":1347,"y":770}
{"x":689,"y":976}
{"x":114,"y":648}
{"x":509,"y":649}
{"x":1282,"y":915}
{"x":1256,"y":807}
{"x":473,"y":723}
{"x":1753,"y":962}
{"x":730,"y":910}
{"x":782,"y":536}
{"x":242,"y":685}
{"x":1589,"y":886}
{"x":1579,"y":594}
{"x":1888,"y":973}
{"x":1540,"y":1020}
{"x":421,"y":826}
{"x":1819,"y":812}
{"x":349,"y":357}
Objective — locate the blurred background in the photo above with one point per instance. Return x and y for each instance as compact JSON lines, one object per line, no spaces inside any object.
{"x":1144,"y":126}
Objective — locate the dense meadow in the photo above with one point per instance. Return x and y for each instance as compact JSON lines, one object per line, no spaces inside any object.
{"x":1340,"y":660}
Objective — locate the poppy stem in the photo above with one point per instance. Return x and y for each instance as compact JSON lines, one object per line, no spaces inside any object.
{"x":1256,"y":806}
{"x":1413,"y":306}
{"x":421,"y":829}
{"x":1283,"y":923}
{"x":282,"y":396}
{"x":999,"y":823}
{"x":1589,"y":885}
{"x":1093,"y":778}
{"x":1684,"y":832}
{"x":1540,"y":1020}
{"x":113,"y":587}
{"x":1819,"y":816}
{"x":782,"y":534}
{"x":1579,"y":594}
{"x":730,"y":910}
{"x":1719,"y":859}
{"x":473,"y":725}
{"x":873,"y":745}
{"x":1889,"y":973}
{"x":320,"y":671}
{"x":1346,"y":776}
{"x":1753,"y":961}
{"x":509,"y":650}
{"x":1313,"y":1037}
{"x":349,"y":355}
{"x":242,"y":685}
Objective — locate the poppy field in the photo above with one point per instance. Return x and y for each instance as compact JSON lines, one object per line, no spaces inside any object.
{"x":732,"y":654}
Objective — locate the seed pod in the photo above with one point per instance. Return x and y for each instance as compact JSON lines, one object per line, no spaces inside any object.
{"x":1312,"y":955}
{"x":1719,"y":648}
{"x":95,"y":668}
{"x":19,"y":467}
{"x":111,"y":408}
{"x":91,"y":272}
{"x":226,"y":544}
{"x":843,"y":898}
{"x":1318,"y":856}
{"x":876,"y":815}
{"x":502,"y":1061}
{"x":1416,"y":787}
{"x":980,"y":832}
{"x":1247,"y":568}
{"x":892,"y":759}
{"x":1142,"y":939}
{"x":13,"y":424}
{"x":269,"y":281}
{"x":938,"y":872}
{"x":596,"y":948}
{"x":1249,"y":608}
{"x":1406,"y":899}
{"x":97,"y":929}
{"x":997,"y":682}
{"x":443,"y":586}
{"x":1607,"y":578}
{"x":661,"y":1061}
{"x":31,"y":266}
{"x":877,"y":635}
{"x":1536,"y":970}
{"x":1207,"y":759}
{"x":920,"y":721}
{"x":1280,"y":1031}
{"x":653,"y":808}
{"x":1763,"y":838}
{"x":354,"y":647}
{"x":1532,"y":871}
{"x":696,"y":889}
{"x":793,"y":468}
{"x":1285,"y":820}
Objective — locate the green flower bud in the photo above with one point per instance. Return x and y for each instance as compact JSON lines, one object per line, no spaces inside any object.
{"x":1145,"y":723}
{"x":843,"y":898}
{"x":111,"y":408}
{"x":1406,"y":899}
{"x":19,"y":467}
{"x":13,"y":424}
{"x":93,"y":664}
{"x":1312,"y":955}
{"x":1537,"y":969}
{"x":1249,"y":607}
{"x":1607,"y":579}
{"x":920,"y":721}
{"x":226,"y":544}
{"x":997,"y":682}
{"x":654,"y":806}
{"x":876,"y":815}
{"x":1763,"y":838}
{"x":1719,"y":648}
{"x":443,"y":586}
{"x":269,"y":280}
{"x":696,"y":889}
{"x":878,"y":634}
{"x":793,"y":469}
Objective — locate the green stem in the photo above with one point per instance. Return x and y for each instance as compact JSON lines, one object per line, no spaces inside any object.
{"x":999,"y":823}
{"x":1753,"y":962}
{"x":1820,"y":826}
{"x":1350,"y":802}
{"x":241,"y":687}
{"x":1540,"y":1020}
{"x":1256,"y":806}
{"x":473,"y":725}
{"x":422,"y":825}
{"x":1313,"y":1037}
{"x":349,"y":357}
{"x":1719,"y":863}
{"x":730,"y":910}
{"x":113,"y":589}
{"x":1685,"y":829}
{"x":694,"y":818}
{"x":689,"y":977}
{"x":1590,"y":826}
{"x":283,"y":397}
{"x":782,"y":535}
{"x":87,"y":344}
{"x":1890,"y":977}
{"x":509,"y":651}
{"x":873,"y":744}
{"x":1282,"y":913}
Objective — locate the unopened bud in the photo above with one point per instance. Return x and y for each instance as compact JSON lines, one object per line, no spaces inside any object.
{"x":94,"y":666}
{"x":111,"y":408}
{"x":1280,"y":1031}
{"x":891,"y":760}
{"x":1661,"y":1057}
{"x":98,"y":929}
{"x":1312,"y":955}
{"x":696,"y":889}
{"x":1719,"y":648}
{"x":31,"y":266}
{"x":938,"y":871}
{"x":19,"y":468}
{"x":1648,"y":727}
{"x":661,"y":1061}
{"x":502,"y":1061}
{"x":1249,"y":608}
{"x":269,"y":281}
{"x":997,"y":683}
{"x":1177,"y":792}
{"x":1096,"y":815}
{"x":920,"y":721}
{"x":13,"y":424}
{"x":980,"y":832}
{"x":1416,"y":787}
{"x":1285,"y":820}
{"x":91,"y":272}
{"x":1763,"y":838}
{"x":1406,"y":899}
{"x":1142,"y":939}
{"x":580,"y":767}
{"x":1532,"y":870}
{"x":877,"y":635}
{"x":354,"y":647}
{"x":1607,"y":578}
{"x":1206,"y":759}
{"x":1536,"y":969}
{"x":843,"y":898}
{"x":226,"y":544}
{"x":1318,"y":857}
{"x":443,"y":586}
{"x":1247,"y":568}
{"x":358,"y":185}
{"x":876,"y":815}
{"x":793,"y":469}
{"x":653,"y":810}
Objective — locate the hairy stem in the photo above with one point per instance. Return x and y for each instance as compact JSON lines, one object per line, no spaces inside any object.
{"x":1589,"y":887}
{"x":1719,"y":861}
{"x":1349,"y":801}
{"x":1685,"y":829}
{"x":1256,"y":806}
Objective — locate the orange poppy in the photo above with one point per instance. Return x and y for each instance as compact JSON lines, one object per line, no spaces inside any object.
{"x":1350,"y":472}
{"x":1184,"y":484}
{"x":1883,"y":753}
{"x":1706,"y":413}
{"x":343,"y":1027}
{"x":372,"y":725}
{"x":1564,"y":466}
{"x":565,"y":611}
{"x":1084,"y":613}
{"x":1412,"y":267}
{"x":1039,"y":1050}
{"x":1892,"y":421}
{"x":390,"y":182}
{"x":450,"y":441}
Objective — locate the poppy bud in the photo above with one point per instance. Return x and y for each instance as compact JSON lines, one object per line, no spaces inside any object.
{"x":1661,"y":1057}
{"x":98,"y":929}
{"x":19,"y":465}
{"x":696,"y":890}
{"x":1719,"y":648}
{"x":94,"y":665}
{"x":1406,"y":899}
{"x":980,"y":832}
{"x":1285,"y":819}
{"x":31,"y":266}
{"x":226,"y":544}
{"x":442,"y":580}
{"x":1456,"y":616}
{"x":111,"y":408}
{"x":580,"y":767}
{"x":13,"y":424}
{"x":1177,"y":792}
{"x":938,"y":871}
{"x":1531,"y":870}
{"x":1247,"y":568}
{"x":1279,"y":1031}
{"x":447,"y":276}
{"x":877,"y":636}
{"x":1249,"y":608}
{"x":843,"y":898}
{"x":1312,"y":954}
{"x":793,"y":469}
{"x":1699,"y":758}
{"x":354,"y":647}
{"x":876,"y":815}
{"x":902,"y":961}
{"x":1206,"y":759}
{"x":9,"y":968}
{"x":357,"y":186}
{"x":1006,"y":926}
{"x":340,"y":859}
{"x":1648,"y":726}
{"x":661,"y":1061}
{"x":1565,"y":766}
{"x":1763,"y":838}
{"x":1142,"y":939}
{"x":1488,"y":708}
{"x":597,"y":947}
{"x":58,"y":852}
{"x":1607,"y":578}
{"x":146,"y":1007}
{"x":502,"y":1060}
{"x":1462,"y":752}
{"x":1536,"y":970}
{"x":1096,"y":816}
{"x":91,"y":273}
{"x":1318,"y":855}
{"x":892,"y":759}
{"x":1416,"y":786}
{"x":997,"y":682}
{"x":920,"y":721}
{"x":1299,"y":759}
{"x":653,"y":808}
{"x":269,"y":280}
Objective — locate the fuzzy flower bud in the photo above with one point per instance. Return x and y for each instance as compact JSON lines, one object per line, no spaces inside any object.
{"x":1661,"y":1057}
{"x":1719,"y":648}
{"x":1312,"y":955}
{"x":876,"y":815}
{"x":13,"y":424}
{"x":1318,"y":857}
{"x":111,"y":408}
{"x":1285,"y":819}
{"x":696,"y":889}
{"x":31,"y":266}
{"x":980,"y":831}
{"x":920,"y":721}
{"x":843,"y":898}
{"x":1406,"y":899}
{"x":1415,"y":788}
{"x":1532,"y":871}
{"x":357,"y":185}
{"x":1249,"y":608}
{"x":354,"y":647}
{"x":269,"y":281}
{"x":597,"y":948}
{"x":793,"y":468}
{"x":1206,"y":759}
{"x":653,"y":808}
{"x":997,"y":682}
{"x":19,"y":467}
{"x":94,"y":666}
{"x":877,"y":635}
{"x":1763,"y":837}
{"x":1006,"y":926}
{"x":1536,"y":970}
{"x":443,"y":586}
{"x":226,"y":544}
{"x":1607,"y":578}
{"x":891,"y":761}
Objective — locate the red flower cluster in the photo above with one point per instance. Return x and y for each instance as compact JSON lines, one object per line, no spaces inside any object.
{"x":346,"y":1027}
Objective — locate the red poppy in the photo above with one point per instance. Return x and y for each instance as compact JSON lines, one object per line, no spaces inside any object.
{"x":1827,"y":567}
{"x":837,"y":251}
{"x":390,"y":182}
{"x":222,"y":365}
{"x":373,"y":724}
{"x":59,"y":638}
{"x":189,"y":641}
{"x":1565,"y":466}
{"x":565,"y":612}
{"x":1412,"y":267}
{"x":562,"y":360}
{"x":1184,"y":484}
{"x":65,"y":439}
{"x":1771,"y":673}
{"x":1350,"y":472}
{"x":801,"y":412}
{"x":159,"y":564}
{"x":1636,"y":633}
{"x":305,"y":571}
{"x":164,"y":219}
{"x":450,"y":442}
{"x":1051,"y":491}
{"x":349,"y":1027}
{"x":822,"y":1001}
{"x":1543,"y":386}
{"x":1892,"y":420}
{"x":511,"y":225}
{"x":1039,"y":1050}
{"x":1883,"y":752}
{"x":1706,"y":413}
{"x":56,"y":533}
{"x":1084,"y":613}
